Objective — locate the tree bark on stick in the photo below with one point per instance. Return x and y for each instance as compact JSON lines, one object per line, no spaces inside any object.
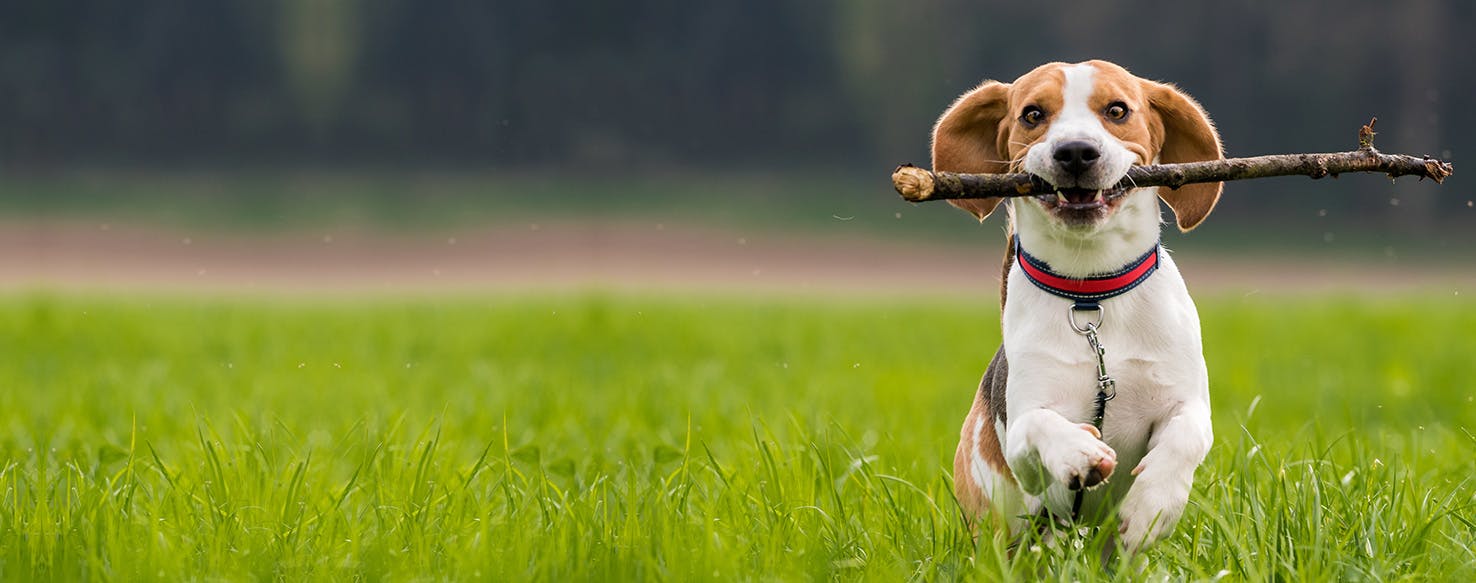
{"x":919,"y":184}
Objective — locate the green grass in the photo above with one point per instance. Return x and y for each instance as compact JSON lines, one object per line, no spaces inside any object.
{"x":597,"y":436}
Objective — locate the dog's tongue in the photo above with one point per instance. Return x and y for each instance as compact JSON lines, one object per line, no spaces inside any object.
{"x":1079,"y":195}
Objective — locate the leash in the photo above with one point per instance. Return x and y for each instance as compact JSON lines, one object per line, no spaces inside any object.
{"x":1106,"y":385}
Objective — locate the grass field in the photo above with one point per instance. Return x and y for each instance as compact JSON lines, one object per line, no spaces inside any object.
{"x":619,"y":437}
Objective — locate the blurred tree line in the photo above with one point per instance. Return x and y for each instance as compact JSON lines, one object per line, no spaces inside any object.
{"x":849,"y":84}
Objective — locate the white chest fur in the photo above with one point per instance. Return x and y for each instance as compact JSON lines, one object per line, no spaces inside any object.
{"x":1153,"y":350}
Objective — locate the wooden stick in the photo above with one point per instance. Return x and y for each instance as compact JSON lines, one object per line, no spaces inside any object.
{"x":919,"y":184}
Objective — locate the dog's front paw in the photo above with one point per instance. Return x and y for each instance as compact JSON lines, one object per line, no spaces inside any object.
{"x":1078,"y":458}
{"x":1149,"y":512}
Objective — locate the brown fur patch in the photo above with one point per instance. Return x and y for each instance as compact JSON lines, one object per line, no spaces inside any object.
{"x":1188,"y":135}
{"x":1114,"y":84}
{"x":966,"y":139}
{"x":989,"y":407}
{"x":970,"y":494}
{"x":1043,"y":87}
{"x":1004,"y":275}
{"x":993,"y":386}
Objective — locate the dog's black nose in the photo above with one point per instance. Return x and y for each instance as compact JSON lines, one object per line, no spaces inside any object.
{"x":1076,"y":156}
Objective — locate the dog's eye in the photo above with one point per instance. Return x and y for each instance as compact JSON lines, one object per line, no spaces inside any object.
{"x":1032,"y":116}
{"x":1118,"y":111}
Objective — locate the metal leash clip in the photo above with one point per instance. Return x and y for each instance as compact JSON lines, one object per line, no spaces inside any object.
{"x":1106,"y":385}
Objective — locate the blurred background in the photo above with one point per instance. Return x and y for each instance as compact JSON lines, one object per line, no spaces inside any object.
{"x":398,"y":144}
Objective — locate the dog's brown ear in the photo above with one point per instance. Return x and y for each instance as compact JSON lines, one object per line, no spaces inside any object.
{"x":1186,"y":135}
{"x":968,"y":138}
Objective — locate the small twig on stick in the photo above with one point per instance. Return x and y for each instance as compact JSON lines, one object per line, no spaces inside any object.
{"x":919,"y":184}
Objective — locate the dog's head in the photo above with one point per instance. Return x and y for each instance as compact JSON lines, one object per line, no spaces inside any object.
{"x":1079,"y":127}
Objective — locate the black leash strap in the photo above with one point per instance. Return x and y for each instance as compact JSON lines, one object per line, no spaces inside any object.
{"x":1106,"y":385}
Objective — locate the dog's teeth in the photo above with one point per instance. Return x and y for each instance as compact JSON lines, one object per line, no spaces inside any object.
{"x":1100,"y":198}
{"x":1060,"y":197}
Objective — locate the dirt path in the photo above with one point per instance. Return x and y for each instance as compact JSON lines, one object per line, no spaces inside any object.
{"x":588,"y":255}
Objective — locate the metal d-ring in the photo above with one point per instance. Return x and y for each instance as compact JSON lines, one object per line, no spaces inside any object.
{"x":1090,"y":327}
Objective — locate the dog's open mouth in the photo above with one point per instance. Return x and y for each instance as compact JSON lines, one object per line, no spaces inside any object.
{"x":1080,"y":199}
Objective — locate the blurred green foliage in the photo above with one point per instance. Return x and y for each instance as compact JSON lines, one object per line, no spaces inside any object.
{"x":591,"y":91}
{"x":582,"y":83}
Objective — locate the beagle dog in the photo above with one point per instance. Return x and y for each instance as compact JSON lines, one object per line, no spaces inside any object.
{"x":1055,"y":418}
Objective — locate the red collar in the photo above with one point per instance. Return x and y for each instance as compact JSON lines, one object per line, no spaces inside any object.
{"x":1090,"y":290}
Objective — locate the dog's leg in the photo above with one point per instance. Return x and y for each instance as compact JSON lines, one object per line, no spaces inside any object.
{"x":1044,"y":448}
{"x":982,"y":482}
{"x":1156,"y":500}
